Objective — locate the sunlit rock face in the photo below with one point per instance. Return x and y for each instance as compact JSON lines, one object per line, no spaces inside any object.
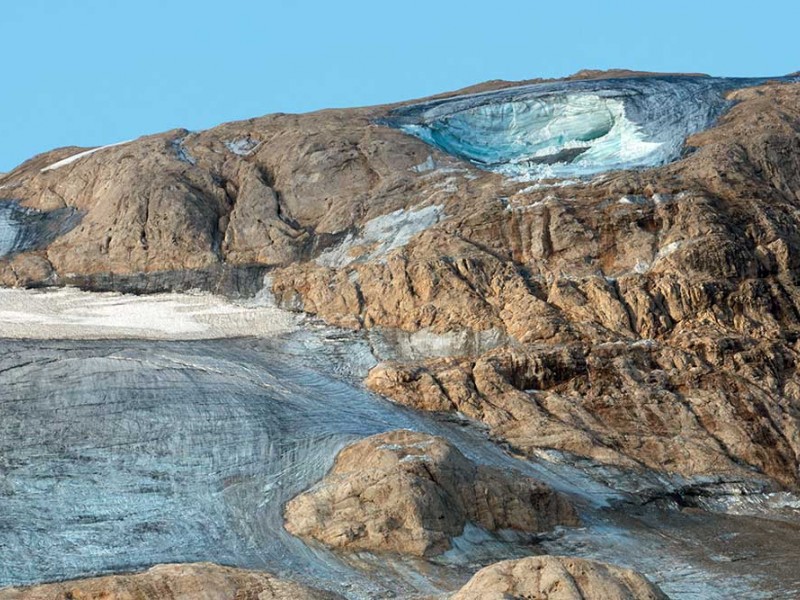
{"x":572,"y":128}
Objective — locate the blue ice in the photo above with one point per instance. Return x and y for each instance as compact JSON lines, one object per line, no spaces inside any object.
{"x":572,"y":129}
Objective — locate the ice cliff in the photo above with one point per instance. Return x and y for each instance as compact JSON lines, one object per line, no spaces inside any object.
{"x":572,"y":128}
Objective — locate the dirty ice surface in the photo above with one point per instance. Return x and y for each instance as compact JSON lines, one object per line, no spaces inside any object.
{"x":187,"y":451}
{"x":25,"y":229}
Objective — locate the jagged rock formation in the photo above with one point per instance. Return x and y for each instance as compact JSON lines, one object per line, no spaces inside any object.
{"x":412,"y":493}
{"x":558,"y":578}
{"x":199,"y":581}
{"x":190,"y":201}
{"x":669,"y":294}
{"x":648,"y":404}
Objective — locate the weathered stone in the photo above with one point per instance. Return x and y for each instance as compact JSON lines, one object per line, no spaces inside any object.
{"x":558,"y":578}
{"x":412,"y":493}
{"x":197,"y":581}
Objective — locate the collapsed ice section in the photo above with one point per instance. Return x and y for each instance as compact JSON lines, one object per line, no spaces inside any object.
{"x":572,"y":128}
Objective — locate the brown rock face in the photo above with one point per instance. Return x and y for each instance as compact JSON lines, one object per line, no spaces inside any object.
{"x":558,"y":578}
{"x":200,"y":581}
{"x":266,"y":191}
{"x":625,"y":404}
{"x":412,"y":493}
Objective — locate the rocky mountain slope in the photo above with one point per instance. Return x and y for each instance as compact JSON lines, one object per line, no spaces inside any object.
{"x":643,"y":320}
{"x":663,"y":301}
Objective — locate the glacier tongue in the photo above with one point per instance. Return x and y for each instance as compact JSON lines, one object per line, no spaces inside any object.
{"x":572,"y":128}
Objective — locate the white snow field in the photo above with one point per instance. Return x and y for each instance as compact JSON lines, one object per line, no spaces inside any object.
{"x":72,"y":314}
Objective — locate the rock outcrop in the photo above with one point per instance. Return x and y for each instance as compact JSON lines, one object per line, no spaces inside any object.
{"x":197,"y":581}
{"x":411,"y":493}
{"x":558,"y":578}
{"x":630,"y":404}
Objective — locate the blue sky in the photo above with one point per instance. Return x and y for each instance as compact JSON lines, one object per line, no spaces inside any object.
{"x":92,"y":72}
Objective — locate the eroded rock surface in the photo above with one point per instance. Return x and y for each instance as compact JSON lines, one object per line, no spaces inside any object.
{"x":198,"y":581}
{"x":558,"y":578}
{"x":619,"y":403}
{"x":412,"y":493}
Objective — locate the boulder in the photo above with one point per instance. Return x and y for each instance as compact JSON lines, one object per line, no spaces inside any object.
{"x":412,"y":493}
{"x":557,"y":578}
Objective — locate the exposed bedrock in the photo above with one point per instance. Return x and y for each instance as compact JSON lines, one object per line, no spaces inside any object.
{"x":669,"y":295}
{"x":412,"y":493}
{"x":558,"y":578}
{"x":630,"y":405}
{"x":267,"y":191}
{"x":196,"y":581}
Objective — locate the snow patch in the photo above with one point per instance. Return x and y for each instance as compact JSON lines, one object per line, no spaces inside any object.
{"x":393,"y":344}
{"x":670,"y":248}
{"x":381,"y":235}
{"x":73,"y":314}
{"x":428,"y":165}
{"x":242,"y":146}
{"x":71,"y":159}
{"x":548,"y":185}
{"x":183,"y":153}
{"x":661,"y":198}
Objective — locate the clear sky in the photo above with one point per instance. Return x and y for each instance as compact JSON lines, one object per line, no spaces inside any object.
{"x":93,"y":72}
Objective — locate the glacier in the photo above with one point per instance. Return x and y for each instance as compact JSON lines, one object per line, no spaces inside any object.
{"x":188,"y":449}
{"x":571,"y":129}
{"x":27,"y":229}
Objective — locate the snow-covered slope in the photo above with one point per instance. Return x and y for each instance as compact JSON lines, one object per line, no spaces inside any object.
{"x":572,"y":128}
